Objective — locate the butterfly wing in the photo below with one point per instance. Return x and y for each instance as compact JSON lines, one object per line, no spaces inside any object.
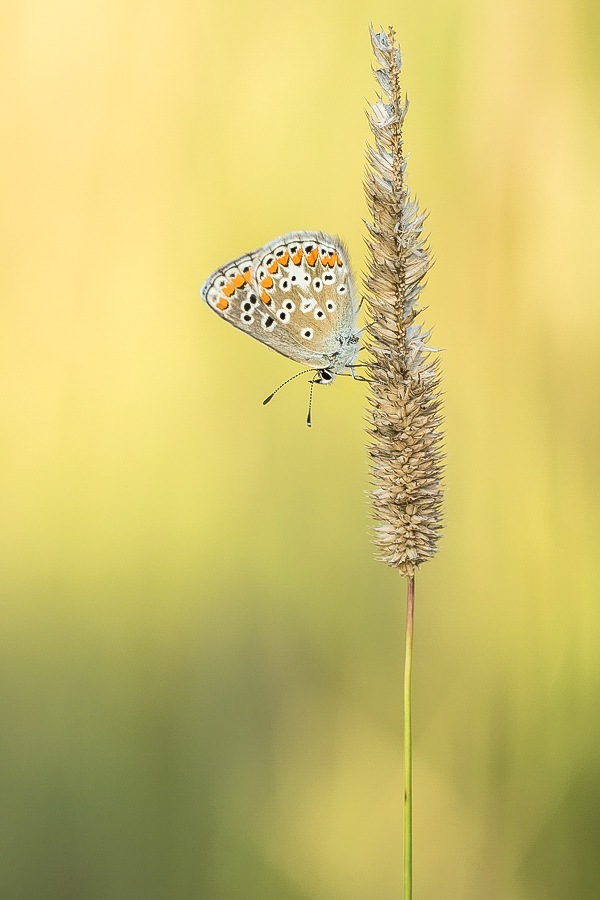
{"x":296,"y":295}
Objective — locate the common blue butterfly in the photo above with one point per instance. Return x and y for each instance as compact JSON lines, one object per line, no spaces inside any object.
{"x":296,"y":295}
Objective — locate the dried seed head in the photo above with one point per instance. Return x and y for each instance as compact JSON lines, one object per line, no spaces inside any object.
{"x":405,"y":406}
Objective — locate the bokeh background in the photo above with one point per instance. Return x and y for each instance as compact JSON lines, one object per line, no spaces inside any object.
{"x":201,"y":662}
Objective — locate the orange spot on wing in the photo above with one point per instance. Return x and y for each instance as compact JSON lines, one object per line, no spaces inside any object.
{"x":312,"y":257}
{"x":339,"y":261}
{"x":222,"y":303}
{"x":273,"y":267}
{"x":265,"y":297}
{"x":267,"y":282}
{"x":228,"y":290}
{"x":238,"y":280}
{"x":296,"y":259}
{"x":248,"y":276}
{"x":283,"y":260}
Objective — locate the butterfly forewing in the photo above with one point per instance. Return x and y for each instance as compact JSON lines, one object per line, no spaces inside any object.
{"x":296,"y":295}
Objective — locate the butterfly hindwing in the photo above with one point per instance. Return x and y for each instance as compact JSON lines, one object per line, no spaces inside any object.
{"x":295,"y":295}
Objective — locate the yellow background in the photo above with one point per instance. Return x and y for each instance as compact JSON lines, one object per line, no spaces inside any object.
{"x":200,"y":664}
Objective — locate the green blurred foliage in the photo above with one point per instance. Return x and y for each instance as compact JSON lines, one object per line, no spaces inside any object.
{"x":200,"y":673}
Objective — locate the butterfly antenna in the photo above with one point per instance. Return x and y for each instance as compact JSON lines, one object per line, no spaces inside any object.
{"x":312,"y":384}
{"x":297,"y":375}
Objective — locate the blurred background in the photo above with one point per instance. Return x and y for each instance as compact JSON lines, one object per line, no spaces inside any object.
{"x":201,"y":662}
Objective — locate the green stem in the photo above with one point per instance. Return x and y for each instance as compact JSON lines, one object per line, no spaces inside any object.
{"x":410,"y":613}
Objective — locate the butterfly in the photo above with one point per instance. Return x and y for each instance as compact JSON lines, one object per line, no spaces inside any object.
{"x":296,"y":295}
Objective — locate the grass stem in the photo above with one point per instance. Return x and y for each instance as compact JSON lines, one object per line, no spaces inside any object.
{"x":410,"y":614}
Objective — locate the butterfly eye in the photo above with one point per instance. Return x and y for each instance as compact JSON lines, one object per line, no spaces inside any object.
{"x":307,"y":333}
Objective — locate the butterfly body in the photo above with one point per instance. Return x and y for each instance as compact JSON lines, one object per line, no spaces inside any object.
{"x":296,"y":295}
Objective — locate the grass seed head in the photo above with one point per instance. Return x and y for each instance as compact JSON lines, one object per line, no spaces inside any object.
{"x":405,"y":405}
